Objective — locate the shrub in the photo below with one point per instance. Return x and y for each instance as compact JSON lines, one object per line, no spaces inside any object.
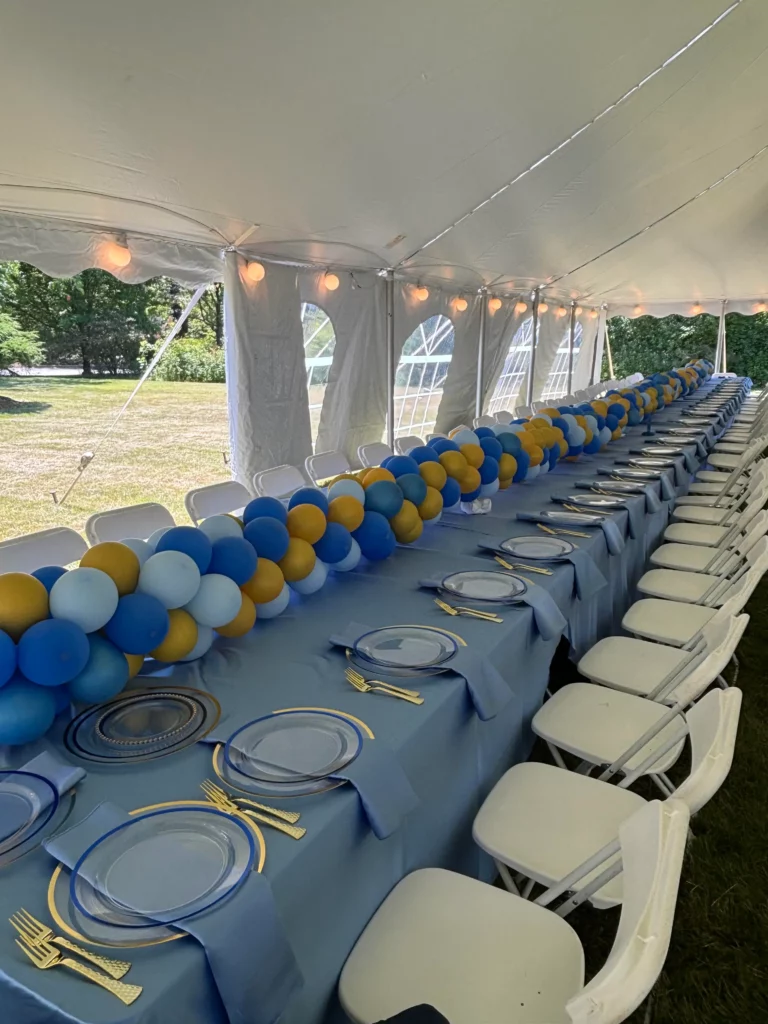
{"x":17,"y":346}
{"x":192,"y":359}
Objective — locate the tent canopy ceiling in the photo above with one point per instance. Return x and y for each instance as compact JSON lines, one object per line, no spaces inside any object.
{"x":352,"y":133}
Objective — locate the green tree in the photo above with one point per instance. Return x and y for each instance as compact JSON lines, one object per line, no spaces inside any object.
{"x":17,"y":346}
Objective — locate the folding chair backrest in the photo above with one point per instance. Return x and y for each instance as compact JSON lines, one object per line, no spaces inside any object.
{"x":713,"y":723}
{"x":131,"y":521}
{"x":757,"y":528}
{"x":278,"y":482}
{"x":522,"y":410}
{"x":484,"y":421}
{"x":504,"y":416}
{"x":404,"y":444}
{"x":652,"y":849}
{"x":722,"y":636}
{"x":326,"y":464}
{"x":57,"y":546}
{"x":373,"y":454}
{"x":215,"y":499}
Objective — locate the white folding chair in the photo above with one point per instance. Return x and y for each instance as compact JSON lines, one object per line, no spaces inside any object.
{"x":729,"y":461}
{"x":723,"y":515}
{"x":714,"y":536}
{"x":404,"y":444}
{"x":522,"y":411}
{"x":483,"y":956}
{"x":484,"y":421}
{"x":541,"y":822}
{"x":504,"y":416}
{"x":130,"y":521}
{"x":58,"y":546}
{"x":215,"y":499}
{"x":720,"y":560}
{"x":323,"y":465}
{"x":278,"y":482}
{"x":701,"y":588}
{"x":732,"y":491}
{"x":373,"y":454}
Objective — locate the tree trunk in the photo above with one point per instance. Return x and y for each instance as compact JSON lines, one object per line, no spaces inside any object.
{"x":87,"y":371}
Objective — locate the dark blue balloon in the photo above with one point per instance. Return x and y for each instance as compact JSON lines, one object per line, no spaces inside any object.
{"x":52,"y":652}
{"x":523,"y":465}
{"x":334,"y":545}
{"x":373,"y":535}
{"x":268,"y":536}
{"x":423,"y":454}
{"x":575,"y":449}
{"x":139,"y":625}
{"x":398,"y":465}
{"x":309,"y":496}
{"x":443,"y":444}
{"x":48,"y":574}
{"x":234,"y":557}
{"x":492,"y":446}
{"x":384,"y":497}
{"x":616,"y":410}
{"x":26,"y":711}
{"x":554,"y":455}
{"x":600,"y":420}
{"x":190,"y":541}
{"x":521,"y":420}
{"x":611,"y":422}
{"x":105,"y":674}
{"x":484,"y":432}
{"x":451,"y":492}
{"x":385,"y":462}
{"x":510,"y":442}
{"x":593,"y":446}
{"x":7,"y":658}
{"x":413,"y":486}
{"x":489,"y":471}
{"x":472,"y":495}
{"x":270,"y":507}
{"x":558,"y":421}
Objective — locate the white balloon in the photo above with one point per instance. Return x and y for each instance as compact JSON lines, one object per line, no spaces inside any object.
{"x":217,"y":601}
{"x":216,"y":527}
{"x":153,"y":538}
{"x":205,"y":637}
{"x":576,"y":436}
{"x":85,"y":596}
{"x":314,"y":581}
{"x":591,"y":423}
{"x":349,"y":562}
{"x":170,"y":576}
{"x":533,"y":472}
{"x":456,"y":507}
{"x":571,"y":421}
{"x":516,"y":428}
{"x":346,"y":488}
{"x":543,"y":467}
{"x":488,"y":490}
{"x":140,"y":548}
{"x":500,"y":428}
{"x":271,"y":609}
{"x":605,"y":435}
{"x":466,"y":436}
{"x":435,"y":519}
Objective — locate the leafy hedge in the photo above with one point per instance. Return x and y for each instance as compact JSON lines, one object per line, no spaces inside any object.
{"x":192,"y":359}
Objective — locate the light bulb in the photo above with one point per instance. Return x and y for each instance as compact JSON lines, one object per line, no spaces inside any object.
{"x":117,"y":255}
{"x":520,"y":307}
{"x":578,"y":311}
{"x":638,"y":310}
{"x":561,"y":311}
{"x":760,"y":307}
{"x":255,"y":272}
{"x":331,"y":282}
{"x":494,"y":304}
{"x":460,"y":304}
{"x":421,"y":293}
{"x":593,"y":314}
{"x":543,"y":307}
{"x":696,"y":309}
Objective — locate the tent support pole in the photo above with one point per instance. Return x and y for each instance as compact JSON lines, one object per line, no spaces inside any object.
{"x":571,"y":338}
{"x":390,"y":296}
{"x":724,"y":348}
{"x":608,"y":352}
{"x":534,"y":343}
{"x":480,"y":392}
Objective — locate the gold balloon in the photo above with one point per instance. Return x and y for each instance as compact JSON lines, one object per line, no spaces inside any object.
{"x":242,"y":622}
{"x":470,"y":480}
{"x":307,"y":522}
{"x":432,"y":504}
{"x":298,"y":561}
{"x":454,"y":464}
{"x":118,"y":561}
{"x":371,"y":476}
{"x":180,"y":639}
{"x":135,"y":661}
{"x":474,"y":454}
{"x":433,"y":475}
{"x":23,"y":602}
{"x":266,"y":583}
{"x":507,"y":467}
{"x":347,"y":511}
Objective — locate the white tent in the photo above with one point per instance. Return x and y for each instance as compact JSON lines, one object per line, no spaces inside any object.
{"x":362,"y":136}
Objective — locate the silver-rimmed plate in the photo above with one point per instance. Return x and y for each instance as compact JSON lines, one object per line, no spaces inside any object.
{"x":484,"y":585}
{"x":618,"y":486}
{"x":538,"y":549}
{"x":662,"y":450}
{"x":591,"y":500}
{"x":648,"y":462}
{"x":567,"y":518}
{"x":405,"y":647}
{"x":634,"y":474}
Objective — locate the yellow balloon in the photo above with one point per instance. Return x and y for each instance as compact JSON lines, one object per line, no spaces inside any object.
{"x":413,"y":535}
{"x":23,"y":602}
{"x":432,"y":504}
{"x":474,"y":454}
{"x":552,"y":413}
{"x":243,"y":622}
{"x":180,"y":639}
{"x":504,"y":484}
{"x":589,"y":435}
{"x":433,"y":475}
{"x":453,"y":463}
{"x":370,"y":476}
{"x":117,"y":561}
{"x":266,"y":583}
{"x":307,"y":522}
{"x":470,"y":480}
{"x":135,"y":661}
{"x":616,"y":434}
{"x":581,"y":421}
{"x":601,"y":408}
{"x":507,"y":467}
{"x":347,"y":511}
{"x":536,"y":456}
{"x":405,"y":520}
{"x":563,"y":445}
{"x":298,"y":561}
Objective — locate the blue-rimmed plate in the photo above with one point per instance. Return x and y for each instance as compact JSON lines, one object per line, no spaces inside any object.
{"x":162,"y":867}
{"x":538,"y":549}
{"x":414,"y":648}
{"x":484,"y":585}
{"x":28,"y":802}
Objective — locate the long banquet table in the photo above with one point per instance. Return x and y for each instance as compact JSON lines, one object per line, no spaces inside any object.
{"x":328,"y":885}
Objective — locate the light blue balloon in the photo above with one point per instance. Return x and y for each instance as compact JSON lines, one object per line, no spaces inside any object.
{"x":466,"y":436}
{"x":350,"y":562}
{"x":271,"y":609}
{"x":105,"y":674}
{"x":542,"y":416}
{"x":435,"y":519}
{"x":605,"y":435}
{"x":205,"y":637}
{"x":312,"y":583}
{"x":217,"y":601}
{"x":488,"y":490}
{"x":216,"y":527}
{"x":350,"y":488}
{"x":170,"y":576}
{"x":140,"y":548}
{"x":85,"y":596}
{"x":533,"y":472}
{"x":153,"y":538}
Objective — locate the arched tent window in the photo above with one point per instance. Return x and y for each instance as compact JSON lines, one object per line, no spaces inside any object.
{"x":557,"y":381}
{"x":506,"y":394}
{"x":421,"y":374}
{"x":319,"y":343}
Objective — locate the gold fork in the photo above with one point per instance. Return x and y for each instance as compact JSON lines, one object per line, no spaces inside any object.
{"x":570,"y":533}
{"x":460,"y":609}
{"x":350,"y":673}
{"x":375,"y":687}
{"x":531,"y":568}
{"x":508,"y":565}
{"x":290,"y":816}
{"x":44,"y":955}
{"x":223,"y":803}
{"x":588,"y":511}
{"x":36,"y":933}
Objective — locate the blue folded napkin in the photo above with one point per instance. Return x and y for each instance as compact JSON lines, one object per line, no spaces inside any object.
{"x":487,"y":689}
{"x":548,"y":619}
{"x":63,"y":777}
{"x":635,"y":514}
{"x":611,"y":532}
{"x":253,"y":966}
{"x":587,"y":578}
{"x":652,"y":503}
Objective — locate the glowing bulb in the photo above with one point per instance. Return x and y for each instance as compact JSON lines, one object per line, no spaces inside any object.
{"x":460,"y":305}
{"x":578,"y":311}
{"x":543,"y":307}
{"x":331,"y":282}
{"x":593,"y":314}
{"x":117,"y":255}
{"x":696,"y":309}
{"x":520,"y":307}
{"x":561,"y":311}
{"x":421,"y":293}
{"x":494,"y":304}
{"x":255,"y":272}
{"x":760,"y":307}
{"x":638,"y":310}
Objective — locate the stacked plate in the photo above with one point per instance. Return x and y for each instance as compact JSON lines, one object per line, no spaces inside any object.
{"x":484,"y":586}
{"x":140,"y":725}
{"x":537,"y":548}
{"x":591,"y":500}
{"x":31,"y":810}
{"x":564,"y":517}
{"x":618,"y":486}
{"x":634,"y":474}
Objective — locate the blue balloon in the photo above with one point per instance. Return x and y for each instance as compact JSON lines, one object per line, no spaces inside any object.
{"x":62,"y":697}
{"x":593,"y":446}
{"x":384,"y":497}
{"x":373,"y":535}
{"x":472,"y":495}
{"x":7,"y":658}
{"x":385,"y":462}
{"x":413,"y":486}
{"x":443,"y":444}
{"x":139,"y":625}
{"x":268,"y":536}
{"x":611,"y":422}
{"x":270,"y":507}
{"x":52,"y":652}
{"x":600,"y":420}
{"x":554,"y":455}
{"x":309,"y":496}
{"x":26,"y":711}
{"x":523,"y":465}
{"x":616,"y":410}
{"x":48,"y":574}
{"x":105,"y":674}
{"x":451,"y":493}
{"x":510,"y":443}
{"x":398,"y":465}
{"x":484,"y":432}
{"x":334,"y":545}
{"x":574,"y":450}
{"x":424,"y":453}
{"x":489,"y":471}
{"x":492,"y":446}
{"x":190,"y":541}
{"x":233,"y":557}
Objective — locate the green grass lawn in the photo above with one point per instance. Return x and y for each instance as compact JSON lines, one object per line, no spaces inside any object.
{"x":171,"y":439}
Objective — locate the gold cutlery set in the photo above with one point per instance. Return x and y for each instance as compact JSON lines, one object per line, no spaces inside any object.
{"x":460,"y":609}
{"x":554,"y":533}
{"x":378,"y":686}
{"x":520,"y":567}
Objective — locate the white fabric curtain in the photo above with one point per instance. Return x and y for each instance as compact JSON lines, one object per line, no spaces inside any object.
{"x":266,"y":380}
{"x":582,"y":360}
{"x":550,"y":335}
{"x":597,"y":362}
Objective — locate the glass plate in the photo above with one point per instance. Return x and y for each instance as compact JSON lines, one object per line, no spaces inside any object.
{"x":484,"y":585}
{"x":139,"y":725}
{"x":620,"y":486}
{"x":544,"y":549}
{"x":567,"y":518}
{"x":27,"y":803}
{"x":162,"y":867}
{"x":592,"y":500}
{"x":414,"y":647}
{"x":663,"y":450}
{"x":651,"y":463}
{"x":390,"y":671}
{"x":245,"y":784}
{"x":293,"y":746}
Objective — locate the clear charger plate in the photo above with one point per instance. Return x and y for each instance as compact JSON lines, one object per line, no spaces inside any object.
{"x":405,"y":647}
{"x":662,"y":449}
{"x":539,"y":549}
{"x":619,"y":486}
{"x":592,"y":500}
{"x":27,"y":803}
{"x":634,"y":474}
{"x":567,"y":518}
{"x":484,"y":585}
{"x":648,"y":462}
